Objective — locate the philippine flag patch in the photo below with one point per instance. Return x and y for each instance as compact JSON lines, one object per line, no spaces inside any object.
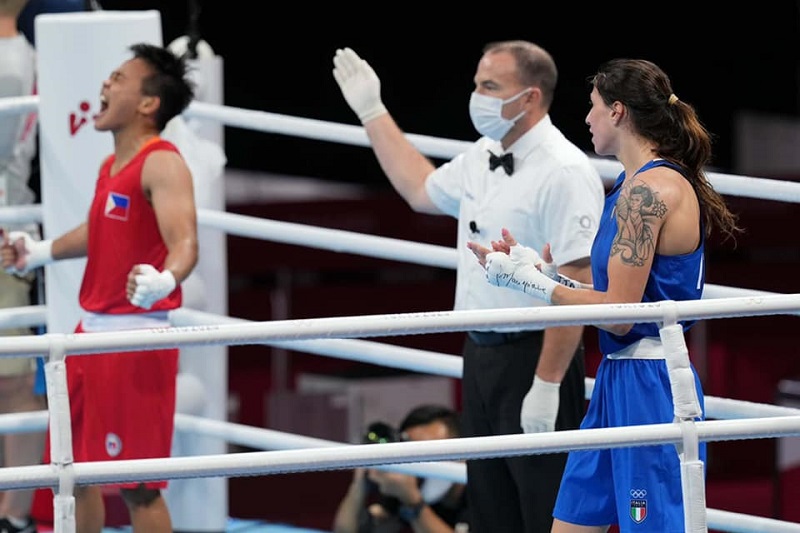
{"x":113,"y":444}
{"x":117,"y":206}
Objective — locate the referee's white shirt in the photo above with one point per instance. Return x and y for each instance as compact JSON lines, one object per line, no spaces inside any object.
{"x":555,"y":195}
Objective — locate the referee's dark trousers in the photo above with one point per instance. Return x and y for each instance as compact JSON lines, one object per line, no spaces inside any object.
{"x":513,"y":494}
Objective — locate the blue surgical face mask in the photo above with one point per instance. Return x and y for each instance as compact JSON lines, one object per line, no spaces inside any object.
{"x":486,"y":113}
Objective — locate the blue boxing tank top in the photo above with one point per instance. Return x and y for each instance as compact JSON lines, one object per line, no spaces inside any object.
{"x":676,"y":277}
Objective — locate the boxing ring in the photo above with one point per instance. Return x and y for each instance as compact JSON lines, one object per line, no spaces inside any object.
{"x":343,"y":337}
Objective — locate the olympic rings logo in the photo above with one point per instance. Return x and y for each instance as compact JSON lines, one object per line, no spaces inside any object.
{"x":638,"y":493}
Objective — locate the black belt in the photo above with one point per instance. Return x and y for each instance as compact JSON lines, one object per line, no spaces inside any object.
{"x":493,"y":338}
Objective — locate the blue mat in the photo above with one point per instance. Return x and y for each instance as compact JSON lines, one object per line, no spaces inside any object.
{"x":236,"y":525}
{"x":254,"y":526}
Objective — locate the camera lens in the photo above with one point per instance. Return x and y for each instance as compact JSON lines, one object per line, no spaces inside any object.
{"x":379,"y":433}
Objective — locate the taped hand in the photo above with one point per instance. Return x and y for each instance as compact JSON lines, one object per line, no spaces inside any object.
{"x":549,"y":268}
{"x":502,"y":271}
{"x":27,"y":253}
{"x":522,"y":254}
{"x":151,"y":286}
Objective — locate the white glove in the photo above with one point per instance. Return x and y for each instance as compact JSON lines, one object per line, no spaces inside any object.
{"x":502,"y":271}
{"x":31,"y":254}
{"x":540,"y":407}
{"x":151,"y":286}
{"x":360,"y":85}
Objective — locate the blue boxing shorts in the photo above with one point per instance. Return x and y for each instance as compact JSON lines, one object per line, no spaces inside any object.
{"x":639,"y":487}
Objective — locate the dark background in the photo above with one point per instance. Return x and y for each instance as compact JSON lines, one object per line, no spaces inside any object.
{"x":279,"y":59}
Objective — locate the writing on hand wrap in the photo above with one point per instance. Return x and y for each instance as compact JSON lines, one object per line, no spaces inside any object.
{"x":507,"y":279}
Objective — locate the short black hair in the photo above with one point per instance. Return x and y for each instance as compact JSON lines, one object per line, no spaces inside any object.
{"x":168,"y":81}
{"x":425,"y":414}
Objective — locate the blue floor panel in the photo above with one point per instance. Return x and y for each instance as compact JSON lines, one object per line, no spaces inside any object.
{"x":235,"y":525}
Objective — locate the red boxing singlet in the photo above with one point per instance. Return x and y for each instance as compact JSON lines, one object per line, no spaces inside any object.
{"x":123,"y":232}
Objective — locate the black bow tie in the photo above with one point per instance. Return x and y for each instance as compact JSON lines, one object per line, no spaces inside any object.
{"x":507,"y":160}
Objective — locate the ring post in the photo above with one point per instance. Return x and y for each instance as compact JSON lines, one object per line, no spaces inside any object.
{"x":201,"y":504}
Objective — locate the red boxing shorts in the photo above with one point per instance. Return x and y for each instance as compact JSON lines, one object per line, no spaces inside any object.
{"x":122,"y":406}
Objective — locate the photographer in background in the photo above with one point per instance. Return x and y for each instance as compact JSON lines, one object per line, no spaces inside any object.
{"x":378,"y":501}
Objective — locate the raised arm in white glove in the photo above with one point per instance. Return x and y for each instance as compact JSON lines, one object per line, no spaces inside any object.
{"x":150,"y":285}
{"x":540,"y":407}
{"x":360,"y":85}
{"x":502,"y":271}
{"x":30,"y":254}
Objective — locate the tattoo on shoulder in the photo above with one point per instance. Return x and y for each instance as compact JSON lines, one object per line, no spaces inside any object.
{"x":637,"y":211}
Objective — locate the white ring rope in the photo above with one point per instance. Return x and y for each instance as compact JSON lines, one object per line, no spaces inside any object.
{"x":752,"y":187}
{"x":23,"y":317}
{"x":329,"y":239}
{"x":456,"y":472}
{"x":350,"y":456}
{"x":746,"y":420}
{"x":768,"y":189}
{"x":20,"y":214}
{"x":267,"y":439}
{"x":407,"y":324}
{"x":376,"y":353}
{"x":351,"y":349}
{"x":369,"y":245}
{"x":18,"y":105}
{"x":747,"y":186}
{"x":742,"y":523}
{"x":411,"y":359}
{"x":336,"y":240}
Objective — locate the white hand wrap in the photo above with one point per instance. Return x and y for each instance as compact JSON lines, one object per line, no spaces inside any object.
{"x":31,"y":254}
{"x":151,"y":286}
{"x":523,"y":254}
{"x":540,"y":407}
{"x":502,"y":271}
{"x":360,"y":85}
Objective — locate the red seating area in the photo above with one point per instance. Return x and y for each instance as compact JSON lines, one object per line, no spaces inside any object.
{"x":746,"y":358}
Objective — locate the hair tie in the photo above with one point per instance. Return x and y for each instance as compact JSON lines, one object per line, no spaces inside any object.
{"x":672,"y":99}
